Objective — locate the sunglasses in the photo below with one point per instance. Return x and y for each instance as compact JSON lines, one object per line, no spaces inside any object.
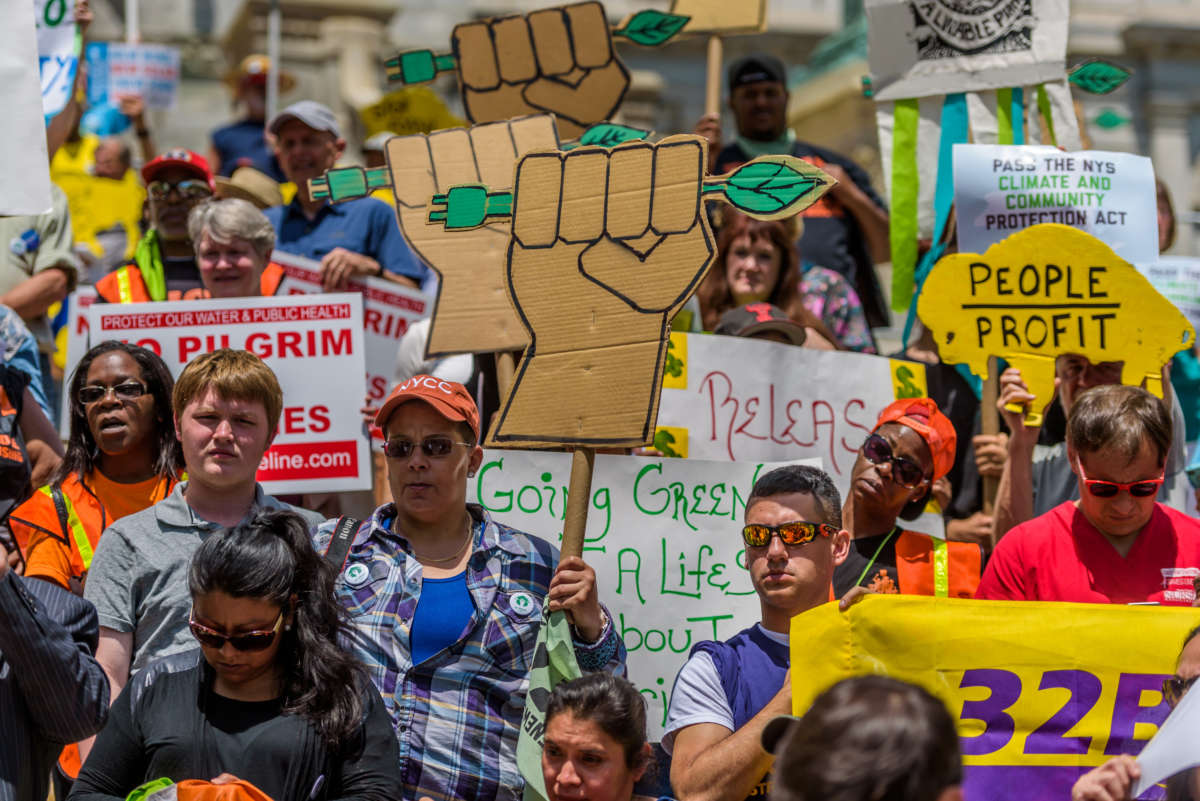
{"x":188,"y":189}
{"x":1109,"y":489}
{"x":1175,"y":688}
{"x":906,"y":473}
{"x":250,"y":641}
{"x":435,"y":447}
{"x":128,"y":390}
{"x":797,"y":532}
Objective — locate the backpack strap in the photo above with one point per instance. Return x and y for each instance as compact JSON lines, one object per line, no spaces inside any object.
{"x":339,"y":545}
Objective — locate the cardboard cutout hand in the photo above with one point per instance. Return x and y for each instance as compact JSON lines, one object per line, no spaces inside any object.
{"x":557,"y":60}
{"x":607,"y":246}
{"x":471,"y":264}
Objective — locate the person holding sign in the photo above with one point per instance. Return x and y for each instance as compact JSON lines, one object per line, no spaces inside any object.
{"x":355,"y":238}
{"x":164,"y":265}
{"x":910,"y":448}
{"x":728,"y":692}
{"x":227,"y":406}
{"x":447,"y":603}
{"x":1116,"y":544}
{"x":233,"y":241}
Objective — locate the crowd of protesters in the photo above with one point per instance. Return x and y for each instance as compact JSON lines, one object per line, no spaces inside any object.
{"x":161,"y":617}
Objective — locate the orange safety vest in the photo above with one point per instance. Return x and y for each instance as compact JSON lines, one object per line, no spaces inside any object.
{"x":126,"y":285}
{"x":929,"y":566}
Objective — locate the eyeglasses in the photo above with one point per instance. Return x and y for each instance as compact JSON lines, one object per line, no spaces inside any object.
{"x":188,"y":189}
{"x":797,"y":532}
{"x":127,"y":390}
{"x":1109,"y":489}
{"x":1103,"y":372}
{"x":435,"y":447}
{"x":250,"y":641}
{"x":1175,"y":688}
{"x":906,"y":473}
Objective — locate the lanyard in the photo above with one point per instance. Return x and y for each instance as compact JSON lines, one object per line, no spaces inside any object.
{"x":875,"y":556}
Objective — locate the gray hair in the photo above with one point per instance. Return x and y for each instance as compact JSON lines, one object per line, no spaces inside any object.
{"x":229,"y":219}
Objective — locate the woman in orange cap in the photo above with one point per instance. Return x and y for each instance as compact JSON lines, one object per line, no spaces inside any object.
{"x":242,"y":143}
{"x":911,"y":447}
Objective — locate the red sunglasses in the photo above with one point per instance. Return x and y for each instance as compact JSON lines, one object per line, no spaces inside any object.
{"x":1109,"y":489}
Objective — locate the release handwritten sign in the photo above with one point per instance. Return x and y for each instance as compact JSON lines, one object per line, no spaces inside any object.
{"x":313,"y":343}
{"x":1002,"y":189}
{"x":1045,"y":291}
{"x":664,"y":537}
{"x":388,"y":310}
{"x":1042,"y":692}
{"x":151,"y":71}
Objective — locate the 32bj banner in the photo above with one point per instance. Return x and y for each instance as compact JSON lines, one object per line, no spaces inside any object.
{"x":1042,"y":692}
{"x":314,"y":343}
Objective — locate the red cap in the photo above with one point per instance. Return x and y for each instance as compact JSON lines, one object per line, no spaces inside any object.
{"x":923,"y":416}
{"x":179,"y":157}
{"x":450,"y":399}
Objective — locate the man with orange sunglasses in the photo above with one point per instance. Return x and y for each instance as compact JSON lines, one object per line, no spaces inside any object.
{"x":1117,"y":543}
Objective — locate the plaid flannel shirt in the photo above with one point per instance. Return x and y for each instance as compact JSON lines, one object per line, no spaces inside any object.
{"x":456,"y":714}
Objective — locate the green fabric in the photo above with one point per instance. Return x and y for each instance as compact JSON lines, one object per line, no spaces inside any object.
{"x":904,"y":201}
{"x":149,"y":788}
{"x":776,"y":147}
{"x":553,"y":662}
{"x":1043,"y":102}
{"x":1004,"y":120}
{"x":148,"y":257}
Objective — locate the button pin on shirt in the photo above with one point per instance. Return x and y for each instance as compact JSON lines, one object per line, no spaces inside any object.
{"x":357,"y":574}
{"x":522,"y":603}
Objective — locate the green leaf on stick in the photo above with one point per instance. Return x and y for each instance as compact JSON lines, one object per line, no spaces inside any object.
{"x":607,"y":134}
{"x":771,"y":186}
{"x":651,"y":28}
{"x":1099,"y":77}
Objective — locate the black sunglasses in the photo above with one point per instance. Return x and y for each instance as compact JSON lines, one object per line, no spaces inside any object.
{"x":189,"y":189}
{"x":797,"y":532}
{"x":904,"y":472}
{"x":1175,"y":688}
{"x":250,"y":641}
{"x":435,"y":447}
{"x":128,"y":390}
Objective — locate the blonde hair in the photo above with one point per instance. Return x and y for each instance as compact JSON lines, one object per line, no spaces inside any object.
{"x":230,"y":219}
{"x":233,"y":375}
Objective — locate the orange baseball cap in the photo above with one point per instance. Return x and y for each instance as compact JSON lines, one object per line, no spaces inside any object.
{"x":923,"y":416}
{"x":450,"y":399}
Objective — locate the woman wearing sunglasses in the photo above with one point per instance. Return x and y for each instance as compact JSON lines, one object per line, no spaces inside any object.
{"x":1117,"y":543}
{"x":1114,"y":780}
{"x":911,"y":447}
{"x":122,"y":457}
{"x":270,"y":698}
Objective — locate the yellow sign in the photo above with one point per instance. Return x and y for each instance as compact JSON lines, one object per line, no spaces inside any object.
{"x":98,"y":204}
{"x":409,"y":111}
{"x":908,"y":379}
{"x":1046,"y":291}
{"x":1041,"y":691}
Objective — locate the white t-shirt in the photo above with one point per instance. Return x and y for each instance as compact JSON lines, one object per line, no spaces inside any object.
{"x":698,"y":696}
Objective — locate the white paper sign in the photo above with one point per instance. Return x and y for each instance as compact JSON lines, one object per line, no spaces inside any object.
{"x":57,"y":60}
{"x":920,"y":48}
{"x":1173,"y":747}
{"x":151,"y":71}
{"x":664,"y":537}
{"x":1178,"y":279}
{"x":388,"y":310}
{"x":78,"y":303}
{"x":24,"y":168}
{"x":1002,"y":189}
{"x":314,"y":344}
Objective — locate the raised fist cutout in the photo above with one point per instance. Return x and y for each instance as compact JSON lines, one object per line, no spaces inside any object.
{"x":470,"y":263}
{"x":557,"y":60}
{"x":607,"y":245}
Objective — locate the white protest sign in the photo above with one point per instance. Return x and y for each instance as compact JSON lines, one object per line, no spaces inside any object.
{"x":58,"y":60}
{"x":920,"y":48}
{"x":388,"y":310}
{"x":78,"y":303}
{"x":1173,"y":749}
{"x":1178,"y":279}
{"x":313,"y":344}
{"x":1002,"y":189}
{"x":24,"y":168}
{"x":664,"y":537}
{"x":151,"y":71}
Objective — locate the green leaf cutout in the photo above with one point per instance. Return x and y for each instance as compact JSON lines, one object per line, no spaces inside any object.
{"x":1099,"y":77}
{"x":650,"y":28}
{"x":609,"y":134}
{"x":1110,"y":118}
{"x":769,"y":187}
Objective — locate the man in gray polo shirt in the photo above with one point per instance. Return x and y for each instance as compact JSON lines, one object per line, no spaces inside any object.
{"x":227,"y":406}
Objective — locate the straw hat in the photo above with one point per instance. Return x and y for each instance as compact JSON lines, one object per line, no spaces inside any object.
{"x":255,"y":67}
{"x":250,"y":184}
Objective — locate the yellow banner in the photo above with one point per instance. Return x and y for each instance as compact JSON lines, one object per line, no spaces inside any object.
{"x":1042,"y":692}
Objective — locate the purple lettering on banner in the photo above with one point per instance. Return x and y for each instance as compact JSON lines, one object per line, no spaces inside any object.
{"x":1005,"y":688}
{"x":1027,"y":783}
{"x":1128,"y":711}
{"x":1085,"y":691}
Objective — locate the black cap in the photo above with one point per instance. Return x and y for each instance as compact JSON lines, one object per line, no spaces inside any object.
{"x":755,"y":68}
{"x":755,"y":318}
{"x":776,"y":729}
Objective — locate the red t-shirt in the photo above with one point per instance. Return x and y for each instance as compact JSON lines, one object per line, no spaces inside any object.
{"x":1060,"y":556}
